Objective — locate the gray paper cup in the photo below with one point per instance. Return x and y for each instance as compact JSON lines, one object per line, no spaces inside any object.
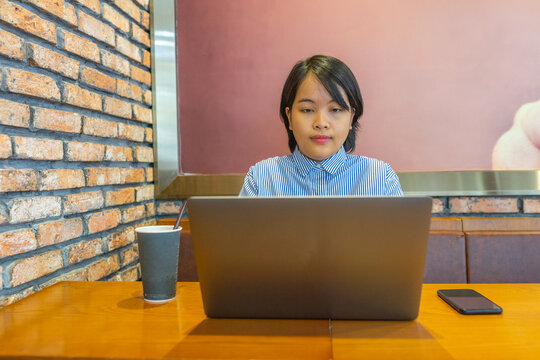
{"x":158,"y":255}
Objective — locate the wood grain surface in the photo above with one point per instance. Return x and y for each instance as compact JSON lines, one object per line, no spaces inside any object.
{"x":441,"y":333}
{"x":97,"y":320}
{"x":111,"y":320}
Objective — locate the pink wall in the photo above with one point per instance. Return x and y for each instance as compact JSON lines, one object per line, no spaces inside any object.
{"x":441,"y":79}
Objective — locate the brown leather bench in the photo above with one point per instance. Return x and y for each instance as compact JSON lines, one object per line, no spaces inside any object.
{"x":460,"y":250}
{"x":445,"y":258}
{"x":503,"y":250}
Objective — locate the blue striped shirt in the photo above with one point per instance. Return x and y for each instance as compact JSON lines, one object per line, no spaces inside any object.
{"x":340,"y":175}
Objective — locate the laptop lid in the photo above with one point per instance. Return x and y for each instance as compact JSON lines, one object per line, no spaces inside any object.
{"x":310,"y":257}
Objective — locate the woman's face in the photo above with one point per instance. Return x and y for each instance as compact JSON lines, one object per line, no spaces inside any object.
{"x":319,"y":124}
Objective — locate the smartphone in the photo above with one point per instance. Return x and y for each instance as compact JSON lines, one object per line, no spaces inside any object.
{"x":469,"y":302}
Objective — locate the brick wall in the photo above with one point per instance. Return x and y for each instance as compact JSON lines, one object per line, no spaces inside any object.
{"x":76,"y":157}
{"x":444,"y":206}
{"x":487,"y":206}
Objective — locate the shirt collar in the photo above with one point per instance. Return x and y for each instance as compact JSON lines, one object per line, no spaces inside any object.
{"x":330,"y":165}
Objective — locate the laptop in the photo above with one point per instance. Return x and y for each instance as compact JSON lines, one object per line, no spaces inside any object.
{"x":310,"y":257}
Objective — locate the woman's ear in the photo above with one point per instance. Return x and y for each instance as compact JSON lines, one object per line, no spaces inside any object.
{"x":288,"y":113}
{"x":353,"y":111}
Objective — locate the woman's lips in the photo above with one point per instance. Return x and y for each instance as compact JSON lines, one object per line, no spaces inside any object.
{"x":320,"y":138}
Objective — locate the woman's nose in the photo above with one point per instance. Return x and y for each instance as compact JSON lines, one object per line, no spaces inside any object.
{"x":320,"y":122}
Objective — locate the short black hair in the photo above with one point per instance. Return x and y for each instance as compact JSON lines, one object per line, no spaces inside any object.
{"x":333,"y":74}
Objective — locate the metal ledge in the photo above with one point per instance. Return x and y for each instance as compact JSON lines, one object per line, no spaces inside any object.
{"x":185,"y":186}
{"x":475,"y":183}
{"x":425,"y":183}
{"x":164,"y":93}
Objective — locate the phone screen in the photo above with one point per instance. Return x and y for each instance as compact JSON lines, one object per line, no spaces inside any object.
{"x":468,"y":301}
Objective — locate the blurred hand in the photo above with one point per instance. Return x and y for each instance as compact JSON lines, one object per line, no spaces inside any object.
{"x":519,"y":147}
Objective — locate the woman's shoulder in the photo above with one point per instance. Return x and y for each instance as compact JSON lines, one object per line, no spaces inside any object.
{"x":272,"y":163}
{"x":366,"y":162}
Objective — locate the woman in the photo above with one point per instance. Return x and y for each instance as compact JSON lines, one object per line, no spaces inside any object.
{"x":320,"y":107}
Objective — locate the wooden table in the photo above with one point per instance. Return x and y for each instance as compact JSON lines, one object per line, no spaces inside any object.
{"x":111,"y":320}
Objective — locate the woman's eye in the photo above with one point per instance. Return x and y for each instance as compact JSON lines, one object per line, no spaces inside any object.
{"x":337,"y":110}
{"x":306,"y":110}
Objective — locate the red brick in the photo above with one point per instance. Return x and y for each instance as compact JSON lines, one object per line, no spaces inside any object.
{"x":531,"y":206}
{"x":5,"y":147}
{"x":27,"y":21}
{"x":127,"y":48}
{"x":56,"y":179}
{"x":145,"y":193}
{"x":35,"y":267}
{"x":142,"y":114}
{"x":129,"y":274}
{"x":143,"y":3}
{"x":145,"y":20}
{"x":103,"y":176}
{"x":31,"y":84}
{"x":148,"y":222}
{"x":33,"y":208}
{"x":99,"y":127}
{"x":129,"y":8}
{"x":168,"y":207}
{"x":149,"y":174}
{"x":115,"y":18}
{"x":80,"y":46}
{"x":129,"y":90}
{"x":144,"y":154}
{"x":11,"y":45}
{"x":483,"y":205}
{"x":147,"y":97}
{"x":133,"y":213}
{"x":38,"y":149}
{"x":146,"y":58}
{"x":130,"y":132}
{"x":118,"y":153}
{"x":76,"y":96}
{"x":57,"y":120}
{"x":78,"y":151}
{"x":103,"y":267}
{"x":115,"y":62}
{"x":53,"y":61}
{"x":149,"y":135}
{"x":98,"y":79}
{"x":117,"y":107}
{"x":90,"y":4}
{"x":140,"y":35}
{"x":103,"y":221}
{"x":75,"y":275}
{"x":119,"y":197}
{"x":83,"y":202}
{"x":150,"y":209}
{"x":16,"y":242}
{"x":140,"y":75}
{"x":18,"y":179}
{"x":85,"y":250}
{"x":437,"y":206}
{"x":95,"y":28}
{"x":121,"y":238}
{"x":14,"y":114}
{"x":129,"y":255}
{"x":129,"y":176}
{"x":10,"y":299}
{"x":59,"y":231}
{"x":59,"y":9}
